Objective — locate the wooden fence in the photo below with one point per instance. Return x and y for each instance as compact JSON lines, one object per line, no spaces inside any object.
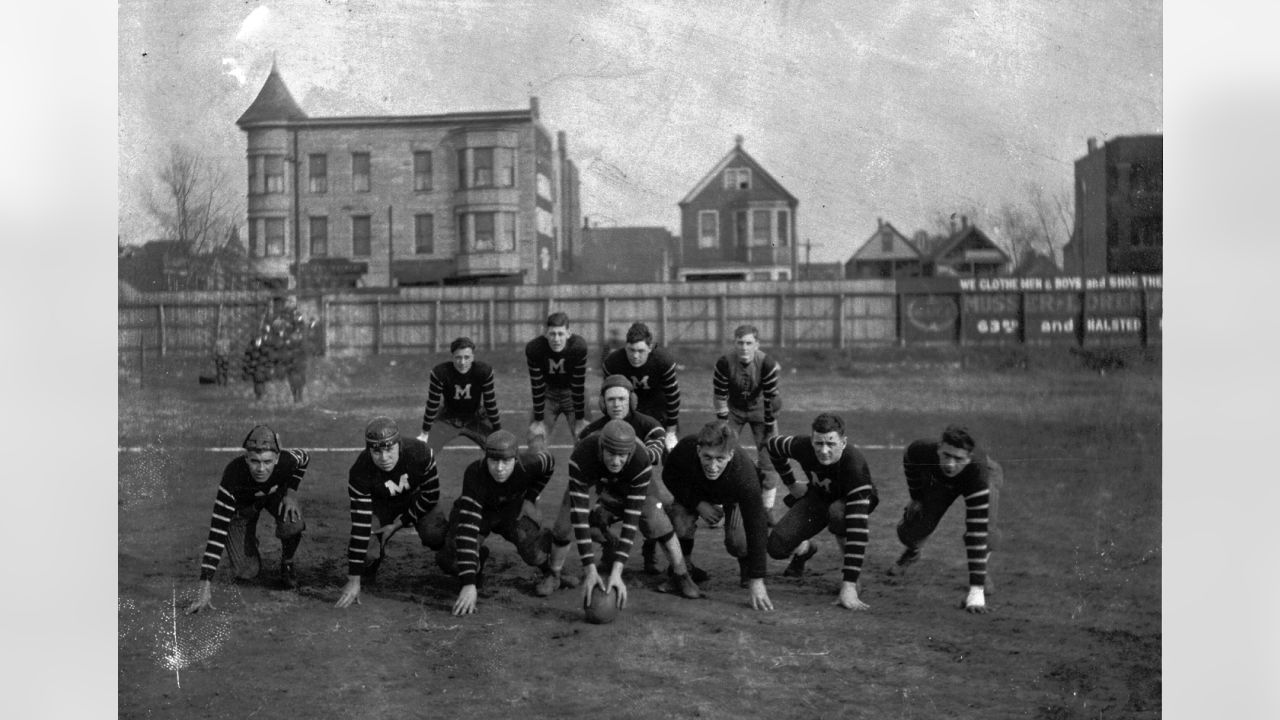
{"x":1113,"y":310}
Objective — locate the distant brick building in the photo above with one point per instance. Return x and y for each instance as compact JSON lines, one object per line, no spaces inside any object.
{"x":737,"y":223}
{"x":1119,"y":224}
{"x":623,"y":255}
{"x":404,"y":200}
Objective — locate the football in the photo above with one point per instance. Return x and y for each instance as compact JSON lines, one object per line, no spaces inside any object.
{"x":602,"y":608}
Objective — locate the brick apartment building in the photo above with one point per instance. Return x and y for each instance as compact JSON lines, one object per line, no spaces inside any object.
{"x":381,"y":201}
{"x":1119,"y":224}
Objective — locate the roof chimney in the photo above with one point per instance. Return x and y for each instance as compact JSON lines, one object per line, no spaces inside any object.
{"x":1093,"y":144}
{"x":533,"y":106}
{"x":586,"y":221}
{"x":738,"y":140}
{"x":964,"y":221}
{"x":879,"y":222}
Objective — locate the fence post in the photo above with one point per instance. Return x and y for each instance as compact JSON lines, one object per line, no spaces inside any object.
{"x":217,"y":328}
{"x":838,"y":333}
{"x":662,"y":318}
{"x":435,"y":328}
{"x":377,"y":327}
{"x":160,"y":319}
{"x":324,"y":322}
{"x":142,"y":357}
{"x":722,"y":317}
{"x":900,"y":307}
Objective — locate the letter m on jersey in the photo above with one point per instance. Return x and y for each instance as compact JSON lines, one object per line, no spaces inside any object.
{"x":462,"y":392}
{"x":640,"y":383}
{"x":555,"y":367}
{"x":395,"y":488}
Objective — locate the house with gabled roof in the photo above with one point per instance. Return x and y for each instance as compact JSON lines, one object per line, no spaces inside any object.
{"x":886,"y":254}
{"x":737,"y":223}
{"x":967,"y":252}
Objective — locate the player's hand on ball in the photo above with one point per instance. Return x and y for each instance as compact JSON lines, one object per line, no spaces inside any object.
{"x":466,"y":603}
{"x":350,"y":592}
{"x":203,"y":600}
{"x":849,"y":597}
{"x":710,"y":514}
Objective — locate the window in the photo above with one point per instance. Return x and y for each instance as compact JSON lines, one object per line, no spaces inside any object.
{"x":254,"y":249}
{"x":255,"y":184}
{"x":761,"y":225}
{"x":708,"y":229}
{"x":487,"y":231}
{"x":421,"y":171}
{"x":424,"y":234}
{"x":740,"y":228}
{"x":275,"y":237}
{"x":1147,"y":232}
{"x":486,"y":167}
{"x":319,"y":236}
{"x":737,"y":179}
{"x":360,"y":172}
{"x":361,"y":236}
{"x":318,"y":173}
{"x":274,"y":170}
{"x":1146,"y":179}
{"x":784,"y":229}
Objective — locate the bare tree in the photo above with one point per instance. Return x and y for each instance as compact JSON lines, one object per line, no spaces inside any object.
{"x":193,"y":205}
{"x":1054,"y":215}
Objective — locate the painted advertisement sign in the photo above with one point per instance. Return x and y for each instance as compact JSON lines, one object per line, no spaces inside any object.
{"x":990,"y":318}
{"x":929,"y":318}
{"x":544,"y":208}
{"x":1052,"y":318}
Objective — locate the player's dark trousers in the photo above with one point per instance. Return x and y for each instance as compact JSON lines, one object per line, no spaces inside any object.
{"x":920,"y":519}
{"x":242,"y":536}
{"x":760,"y":433}
{"x":431,"y":529}
{"x":473,"y":428}
{"x":806,"y":518}
{"x":685,"y":520}
{"x":531,"y":541}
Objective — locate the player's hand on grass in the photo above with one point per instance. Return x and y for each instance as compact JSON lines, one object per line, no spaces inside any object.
{"x":771,"y":429}
{"x":849,"y":597}
{"x":466,"y":602}
{"x":538,"y":436}
{"x":759,"y":596}
{"x":350,"y":592}
{"x":204,"y":598}
{"x":976,"y":602}
{"x":289,"y":511}
{"x":710,"y":514}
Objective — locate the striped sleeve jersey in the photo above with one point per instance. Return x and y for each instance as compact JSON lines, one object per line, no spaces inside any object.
{"x":927,"y":484}
{"x":631,"y":484}
{"x":238,"y":490}
{"x":482,"y":496}
{"x":408,"y":491}
{"x":564,"y":369}
{"x":848,"y":479}
{"x":656,"y":383}
{"x":455,"y":395}
{"x":745,"y":386}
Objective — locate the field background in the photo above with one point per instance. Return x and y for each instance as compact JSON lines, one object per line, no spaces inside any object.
{"x":1074,"y":632}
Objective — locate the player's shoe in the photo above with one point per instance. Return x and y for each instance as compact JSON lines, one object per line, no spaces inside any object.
{"x":681,"y":585}
{"x":288,"y":577}
{"x":795,"y":568}
{"x":550,"y":582}
{"x":904,"y":561}
{"x":698,"y":574}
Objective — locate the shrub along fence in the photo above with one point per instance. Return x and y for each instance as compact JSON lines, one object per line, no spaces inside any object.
{"x":1070,"y":311}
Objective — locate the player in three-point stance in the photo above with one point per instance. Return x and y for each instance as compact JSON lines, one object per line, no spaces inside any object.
{"x":838,"y":495}
{"x":499,"y":495}
{"x":264,"y":477}
{"x":652,"y":372}
{"x":744,"y":389}
{"x":462,"y":396}
{"x":614,"y":463}
{"x":706,"y":472}
{"x":937,"y":473}
{"x":393,"y":484}
{"x":557,"y":362}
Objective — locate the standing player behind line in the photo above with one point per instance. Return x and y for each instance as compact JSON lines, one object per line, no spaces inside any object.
{"x":618,"y":402}
{"x":937,"y":473}
{"x":455,"y":392}
{"x":615,"y":463}
{"x":557,"y":375}
{"x":705,"y":470}
{"x":499,"y":494}
{"x":393,"y":484}
{"x":744,"y":388}
{"x":839,"y":495}
{"x":652,"y":373}
{"x":263,"y":477}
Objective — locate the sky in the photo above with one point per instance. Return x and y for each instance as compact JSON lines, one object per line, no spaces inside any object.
{"x":901,"y":111}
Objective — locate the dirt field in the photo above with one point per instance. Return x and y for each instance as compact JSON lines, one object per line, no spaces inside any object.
{"x":1074,"y":632}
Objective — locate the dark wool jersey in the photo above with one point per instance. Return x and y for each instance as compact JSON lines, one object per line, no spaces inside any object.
{"x":927,"y":484}
{"x":737,"y":485}
{"x":848,"y":479}
{"x":655,"y":382}
{"x":238,"y":490}
{"x":564,"y":369}
{"x":648,"y":431}
{"x":460,"y":396}
{"x":482,"y":495}
{"x":408,"y":491}
{"x":631,"y":484}
{"x":743,"y":386}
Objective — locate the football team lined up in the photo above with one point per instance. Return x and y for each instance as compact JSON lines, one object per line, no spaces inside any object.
{"x":646,"y":480}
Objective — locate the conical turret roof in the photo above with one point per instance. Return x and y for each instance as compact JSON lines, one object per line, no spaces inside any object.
{"x":274,"y":103}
